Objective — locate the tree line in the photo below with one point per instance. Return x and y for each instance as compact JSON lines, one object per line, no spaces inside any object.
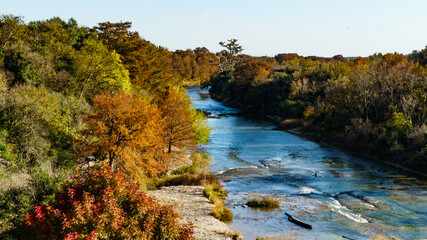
{"x":72,"y":95}
{"x":375,"y":105}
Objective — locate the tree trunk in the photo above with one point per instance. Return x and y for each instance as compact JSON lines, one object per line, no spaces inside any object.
{"x":111,"y":160}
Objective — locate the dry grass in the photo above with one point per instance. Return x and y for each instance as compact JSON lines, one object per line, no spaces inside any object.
{"x":13,"y":180}
{"x":267,"y":202}
{"x":198,"y":179}
{"x":291,"y":123}
{"x":214,"y":192}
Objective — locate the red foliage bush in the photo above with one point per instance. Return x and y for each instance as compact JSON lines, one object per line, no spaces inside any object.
{"x":105,"y":205}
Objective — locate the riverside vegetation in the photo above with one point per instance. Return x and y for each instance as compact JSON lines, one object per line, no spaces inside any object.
{"x":375,"y":105}
{"x":89,"y":116}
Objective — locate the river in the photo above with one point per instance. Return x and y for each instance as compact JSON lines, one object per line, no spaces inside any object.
{"x":338,"y":193}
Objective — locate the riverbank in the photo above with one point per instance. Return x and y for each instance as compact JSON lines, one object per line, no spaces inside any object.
{"x":193,"y":207}
{"x":347,"y":146}
{"x":414,"y":163}
{"x":336,"y":192}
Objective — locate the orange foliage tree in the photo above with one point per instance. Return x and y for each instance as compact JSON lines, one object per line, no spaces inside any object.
{"x":179,"y":120}
{"x":251,"y":71}
{"x":126,"y":128}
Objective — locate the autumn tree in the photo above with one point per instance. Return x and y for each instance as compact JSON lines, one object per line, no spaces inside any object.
{"x":254,"y":71}
{"x":176,"y":111}
{"x":284,"y":57}
{"x":126,"y":129}
{"x":149,"y":66}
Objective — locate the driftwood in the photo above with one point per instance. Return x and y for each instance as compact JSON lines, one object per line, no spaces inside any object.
{"x":298,"y":222}
{"x":348,"y":237}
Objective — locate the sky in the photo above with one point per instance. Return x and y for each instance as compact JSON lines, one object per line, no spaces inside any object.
{"x":263,"y":27}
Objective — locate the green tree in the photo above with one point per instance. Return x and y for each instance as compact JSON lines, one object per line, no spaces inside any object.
{"x":35,"y":124}
{"x":98,"y":70}
{"x":230,"y":56}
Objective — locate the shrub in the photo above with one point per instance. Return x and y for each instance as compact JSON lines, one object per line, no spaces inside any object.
{"x":399,"y":123}
{"x":291,"y":123}
{"x":191,"y":169}
{"x":214,"y":192}
{"x":265,"y":202}
{"x":14,"y":203}
{"x":19,"y":197}
{"x":105,"y":205}
{"x":222,"y":213}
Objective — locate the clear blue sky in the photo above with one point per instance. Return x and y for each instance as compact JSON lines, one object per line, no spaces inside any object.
{"x":263,"y":27}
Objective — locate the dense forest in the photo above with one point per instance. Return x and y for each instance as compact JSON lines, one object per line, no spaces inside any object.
{"x":375,"y":105}
{"x":100,"y":102}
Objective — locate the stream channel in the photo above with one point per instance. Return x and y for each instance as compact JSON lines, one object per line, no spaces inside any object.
{"x":337,"y":193}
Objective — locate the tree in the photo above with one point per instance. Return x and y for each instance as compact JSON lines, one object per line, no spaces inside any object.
{"x":12,"y":29}
{"x":254,"y":71}
{"x":176,"y":111}
{"x":38,"y":124}
{"x":284,"y":57}
{"x":125,"y":129}
{"x":99,"y":70}
{"x":229,"y":57}
{"x":149,"y":66}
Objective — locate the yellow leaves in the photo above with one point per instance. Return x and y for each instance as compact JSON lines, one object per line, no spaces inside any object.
{"x":99,"y":70}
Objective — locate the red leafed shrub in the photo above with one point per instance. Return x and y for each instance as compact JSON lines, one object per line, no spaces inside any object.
{"x":105,"y":205}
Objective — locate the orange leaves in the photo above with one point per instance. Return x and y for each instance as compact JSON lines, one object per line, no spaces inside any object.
{"x":176,"y":111}
{"x":138,"y":135}
{"x":123,"y":127}
{"x":253,"y":71}
{"x":395,"y":59}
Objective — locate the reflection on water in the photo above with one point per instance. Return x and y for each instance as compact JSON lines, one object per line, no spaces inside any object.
{"x":339,"y":194}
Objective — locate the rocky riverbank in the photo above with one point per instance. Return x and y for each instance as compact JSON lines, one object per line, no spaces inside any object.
{"x":193,"y":207}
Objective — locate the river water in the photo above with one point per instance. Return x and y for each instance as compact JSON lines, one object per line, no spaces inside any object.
{"x":341,"y":195}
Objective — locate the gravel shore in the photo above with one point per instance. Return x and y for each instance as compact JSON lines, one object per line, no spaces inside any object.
{"x":191,"y":205}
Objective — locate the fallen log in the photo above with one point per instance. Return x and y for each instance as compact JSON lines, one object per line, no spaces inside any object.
{"x":298,"y":222}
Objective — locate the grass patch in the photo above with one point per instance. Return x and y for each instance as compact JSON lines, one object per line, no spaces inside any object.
{"x":191,"y":169}
{"x":216,"y":195}
{"x":213,"y":191}
{"x":198,"y":179}
{"x":221,"y":212}
{"x":268,"y":202}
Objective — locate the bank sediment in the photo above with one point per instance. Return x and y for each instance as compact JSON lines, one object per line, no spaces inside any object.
{"x":194,"y":208}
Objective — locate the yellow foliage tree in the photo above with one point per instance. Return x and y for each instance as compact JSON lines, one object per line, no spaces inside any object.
{"x":179,"y":119}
